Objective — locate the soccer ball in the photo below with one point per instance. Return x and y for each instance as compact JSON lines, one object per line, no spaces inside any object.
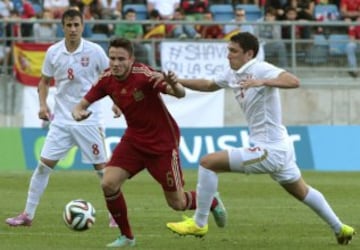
{"x":79,"y":215}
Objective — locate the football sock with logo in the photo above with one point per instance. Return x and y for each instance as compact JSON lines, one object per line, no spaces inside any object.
{"x":117,"y":206}
{"x":206,"y":189}
{"x":317,"y":202}
{"x":37,"y":186}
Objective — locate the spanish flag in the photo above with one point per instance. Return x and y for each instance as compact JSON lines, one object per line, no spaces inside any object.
{"x":156,"y":32}
{"x":28,"y":59}
{"x":230,"y":34}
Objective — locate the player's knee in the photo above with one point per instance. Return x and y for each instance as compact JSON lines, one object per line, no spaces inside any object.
{"x":109,"y":186}
{"x":206,"y":161}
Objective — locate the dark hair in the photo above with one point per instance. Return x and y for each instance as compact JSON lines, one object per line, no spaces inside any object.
{"x":154,"y":14}
{"x":246,"y":41}
{"x":120,"y":42}
{"x":130,"y":10}
{"x":71,"y":13}
{"x":271,"y":10}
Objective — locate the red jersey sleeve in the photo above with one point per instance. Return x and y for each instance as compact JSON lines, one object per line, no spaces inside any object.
{"x":97,"y":91}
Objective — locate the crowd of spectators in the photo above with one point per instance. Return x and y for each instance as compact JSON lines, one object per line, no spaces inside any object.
{"x":179,"y":10}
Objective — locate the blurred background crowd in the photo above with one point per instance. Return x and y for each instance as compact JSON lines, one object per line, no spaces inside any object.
{"x":206,"y":19}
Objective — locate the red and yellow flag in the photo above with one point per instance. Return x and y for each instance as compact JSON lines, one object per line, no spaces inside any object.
{"x":28,"y":59}
{"x":230,"y":34}
{"x":158,"y":31}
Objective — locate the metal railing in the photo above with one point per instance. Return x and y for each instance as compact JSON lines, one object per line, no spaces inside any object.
{"x":308,"y":58}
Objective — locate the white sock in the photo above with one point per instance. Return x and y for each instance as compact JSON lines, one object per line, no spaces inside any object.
{"x":205,"y":191}
{"x":317,"y":202}
{"x":37,"y":186}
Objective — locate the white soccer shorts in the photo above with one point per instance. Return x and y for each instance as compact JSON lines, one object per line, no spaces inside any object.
{"x":90,"y":140}
{"x":279,"y":162}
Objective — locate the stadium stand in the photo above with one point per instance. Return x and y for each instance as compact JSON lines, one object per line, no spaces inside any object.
{"x":222,"y":12}
{"x":253,"y":11}
{"x":141,"y":10}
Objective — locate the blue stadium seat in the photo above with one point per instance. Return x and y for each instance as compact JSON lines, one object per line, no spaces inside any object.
{"x":337,"y":44}
{"x":326,"y":12}
{"x":222,"y":12}
{"x":37,"y":8}
{"x":253,"y":11}
{"x":141,"y":10}
{"x":318,"y":53}
{"x":320,"y":40}
{"x":101,"y":39}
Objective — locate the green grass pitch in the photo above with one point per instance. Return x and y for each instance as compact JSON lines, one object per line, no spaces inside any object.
{"x":261,"y":214}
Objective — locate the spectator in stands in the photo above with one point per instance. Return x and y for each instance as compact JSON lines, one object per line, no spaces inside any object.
{"x":257,"y":2}
{"x":194,"y":9}
{"x":240,"y":16}
{"x":27,"y":12}
{"x":110,"y":8}
{"x":301,"y":32}
{"x":212,"y":31}
{"x":353,"y":48}
{"x":157,"y":30}
{"x":4,"y":49}
{"x":305,"y":9}
{"x":350,"y":9}
{"x":96,"y":11}
{"x":129,"y":30}
{"x":154,"y":31}
{"x":270,"y":37}
{"x":5,"y":7}
{"x":279,"y":6}
{"x":45,"y":32}
{"x":134,"y":32}
{"x":165,"y":8}
{"x":182,"y":30}
{"x":13,"y":29}
{"x":57,"y":7}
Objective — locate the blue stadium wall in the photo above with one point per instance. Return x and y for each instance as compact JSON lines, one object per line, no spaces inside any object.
{"x":324,"y":148}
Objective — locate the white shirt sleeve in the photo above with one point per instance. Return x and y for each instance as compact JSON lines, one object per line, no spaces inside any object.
{"x":223,"y":79}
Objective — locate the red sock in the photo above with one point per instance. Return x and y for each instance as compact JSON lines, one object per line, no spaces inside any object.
{"x":213,"y":204}
{"x":191,"y":201}
{"x":117,"y":206}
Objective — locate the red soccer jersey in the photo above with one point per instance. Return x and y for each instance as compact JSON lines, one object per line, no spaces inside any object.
{"x":150,"y":126}
{"x":354,"y":31}
{"x":351,"y":5}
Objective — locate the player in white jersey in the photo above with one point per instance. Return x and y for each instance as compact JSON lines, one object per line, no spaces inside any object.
{"x":256,"y":87}
{"x":75,"y":65}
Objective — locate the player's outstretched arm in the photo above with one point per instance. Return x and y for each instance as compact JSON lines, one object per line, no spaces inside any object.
{"x":174,"y":88}
{"x":202,"y":85}
{"x":79,"y":112}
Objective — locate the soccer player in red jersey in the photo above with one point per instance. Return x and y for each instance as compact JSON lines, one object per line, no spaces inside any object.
{"x":150,"y":141}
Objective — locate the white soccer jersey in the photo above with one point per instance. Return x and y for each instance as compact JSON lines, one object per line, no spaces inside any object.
{"x":74,"y":74}
{"x":261,"y":105}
